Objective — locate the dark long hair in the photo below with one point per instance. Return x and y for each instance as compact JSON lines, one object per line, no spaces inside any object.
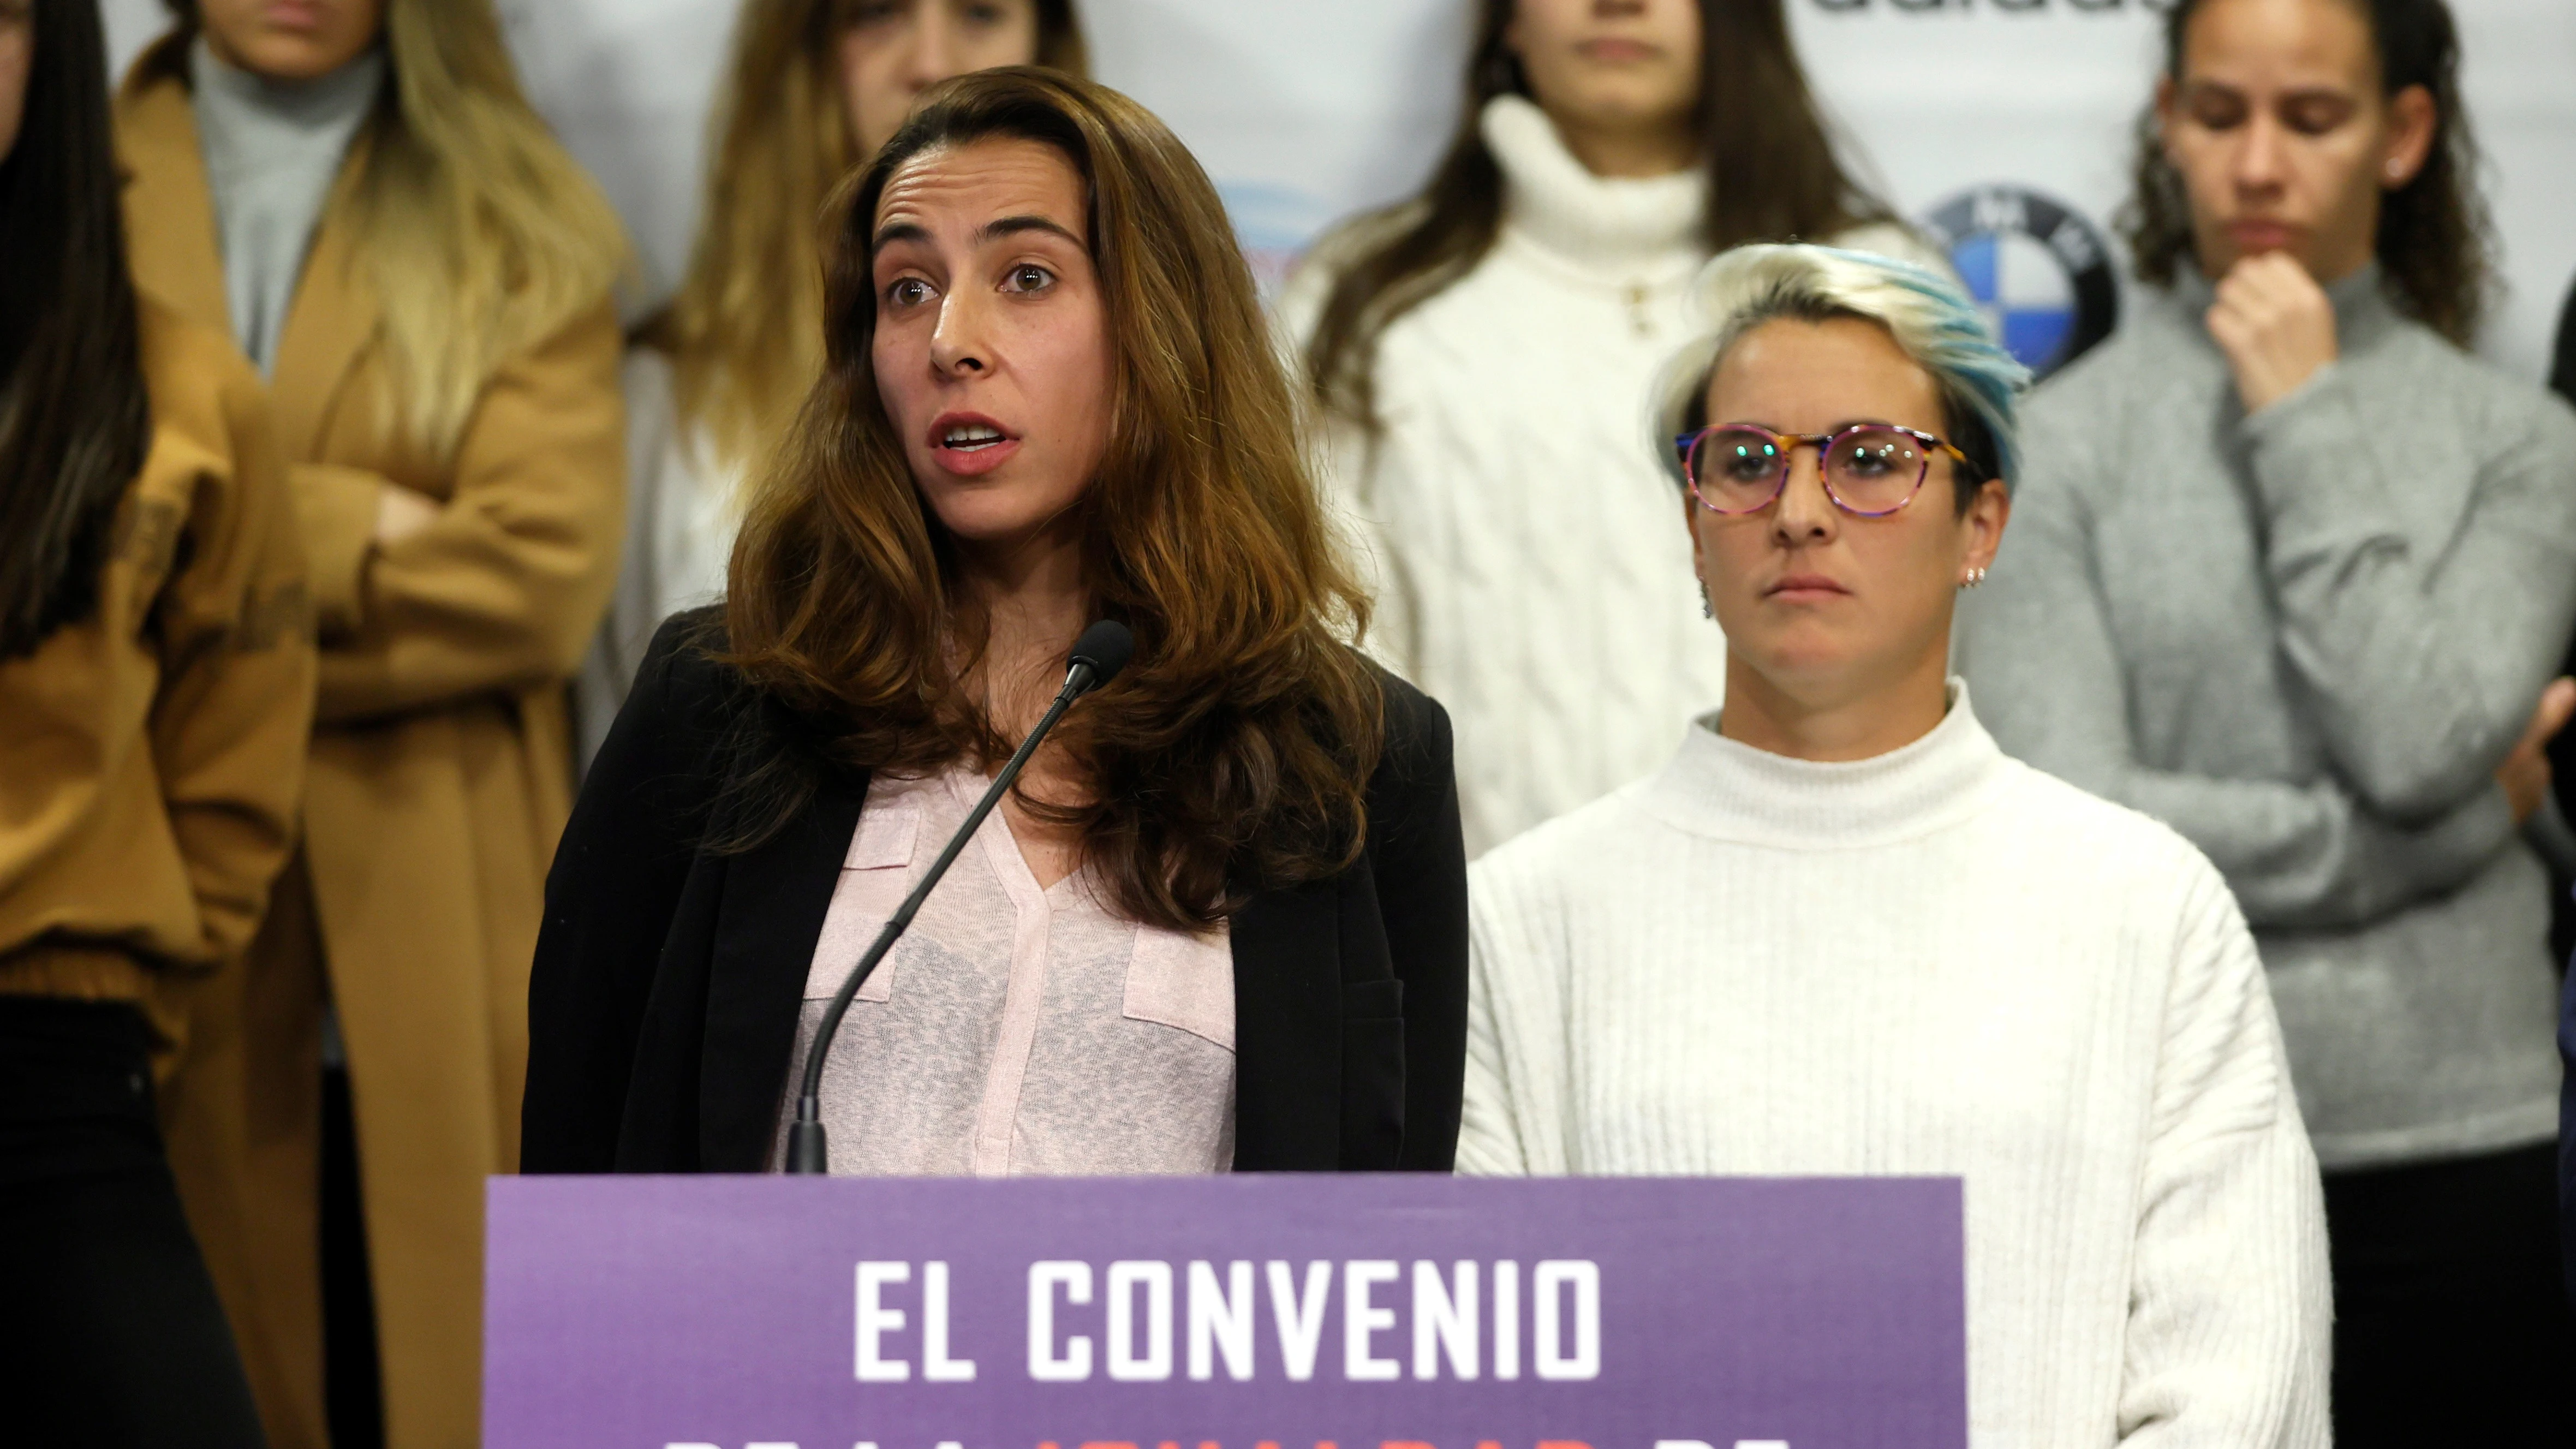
{"x":74,"y":417}
{"x":1773,"y":175}
{"x":2435,"y":238}
{"x":1234,"y":753}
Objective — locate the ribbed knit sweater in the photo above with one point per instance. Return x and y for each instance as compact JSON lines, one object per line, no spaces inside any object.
{"x":1532,"y":567}
{"x":1938,"y":961}
{"x":2305,"y":639}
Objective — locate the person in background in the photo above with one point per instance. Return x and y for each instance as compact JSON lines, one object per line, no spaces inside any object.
{"x":156,"y":691}
{"x":356,"y":192}
{"x":2562,"y":350}
{"x":1221,"y":921}
{"x":1480,"y":351}
{"x":814,"y":88}
{"x":2293,"y":573}
{"x":1841,"y":933}
{"x":2560,"y":804}
{"x":2562,"y":937}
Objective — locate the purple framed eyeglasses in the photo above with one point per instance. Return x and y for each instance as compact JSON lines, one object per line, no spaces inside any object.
{"x":1870,"y":469}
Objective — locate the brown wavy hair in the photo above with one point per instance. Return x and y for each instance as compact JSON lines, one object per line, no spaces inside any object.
{"x":2436,"y":240}
{"x":744,"y":331}
{"x":1233,"y":754}
{"x":1773,"y":175}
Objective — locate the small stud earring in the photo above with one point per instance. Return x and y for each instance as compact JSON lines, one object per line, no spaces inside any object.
{"x":1975,"y":577}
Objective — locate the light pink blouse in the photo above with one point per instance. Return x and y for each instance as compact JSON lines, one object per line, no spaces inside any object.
{"x":1013,"y":1029}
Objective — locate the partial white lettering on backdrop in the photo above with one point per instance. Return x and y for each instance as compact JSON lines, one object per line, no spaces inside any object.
{"x":1151,"y":1321}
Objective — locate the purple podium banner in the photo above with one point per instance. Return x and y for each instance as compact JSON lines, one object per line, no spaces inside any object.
{"x":1252,"y":1312}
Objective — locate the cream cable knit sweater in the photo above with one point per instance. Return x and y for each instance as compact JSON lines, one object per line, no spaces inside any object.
{"x":1532,"y":569}
{"x":1938,"y":961}
{"x":682,"y":511}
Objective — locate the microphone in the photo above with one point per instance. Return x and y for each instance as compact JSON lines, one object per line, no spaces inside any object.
{"x":1098,"y":655}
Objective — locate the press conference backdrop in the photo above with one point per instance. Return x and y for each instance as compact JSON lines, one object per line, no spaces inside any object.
{"x":2003,"y":125}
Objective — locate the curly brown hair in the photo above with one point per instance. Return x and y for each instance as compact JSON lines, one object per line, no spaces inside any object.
{"x":2435,"y":242}
{"x":1233,"y":754}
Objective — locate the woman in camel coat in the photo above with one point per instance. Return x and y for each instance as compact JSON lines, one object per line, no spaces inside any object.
{"x":459,"y":493}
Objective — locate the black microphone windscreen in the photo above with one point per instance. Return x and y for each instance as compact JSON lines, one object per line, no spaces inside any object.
{"x":1105,"y":646}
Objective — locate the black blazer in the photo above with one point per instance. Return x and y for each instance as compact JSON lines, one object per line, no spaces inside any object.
{"x":668,"y":978}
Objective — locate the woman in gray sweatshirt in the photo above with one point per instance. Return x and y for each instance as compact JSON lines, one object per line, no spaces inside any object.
{"x":2293,"y":572}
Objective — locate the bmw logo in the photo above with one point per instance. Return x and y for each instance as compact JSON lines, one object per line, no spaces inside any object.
{"x":2041,"y":271}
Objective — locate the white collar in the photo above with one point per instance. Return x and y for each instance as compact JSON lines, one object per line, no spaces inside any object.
{"x":1729,"y":790}
{"x":1599,"y":221}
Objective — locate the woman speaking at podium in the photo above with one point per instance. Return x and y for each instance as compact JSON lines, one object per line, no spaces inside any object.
{"x":1842,"y":933}
{"x":1219,"y":923}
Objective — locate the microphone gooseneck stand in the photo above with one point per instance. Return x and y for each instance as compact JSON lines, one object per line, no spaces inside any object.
{"x":1098,"y":655}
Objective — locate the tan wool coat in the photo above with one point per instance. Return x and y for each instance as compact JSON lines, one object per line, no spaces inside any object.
{"x":439,"y":778}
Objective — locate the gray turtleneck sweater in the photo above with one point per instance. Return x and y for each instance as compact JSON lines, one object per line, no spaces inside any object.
{"x":2306,"y":639}
{"x":272,"y":152}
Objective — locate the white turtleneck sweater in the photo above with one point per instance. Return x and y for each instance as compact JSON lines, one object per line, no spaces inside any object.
{"x":1938,"y":961}
{"x":1531,"y":562}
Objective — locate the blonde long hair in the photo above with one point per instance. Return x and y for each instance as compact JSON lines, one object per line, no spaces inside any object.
{"x":744,"y":332}
{"x":481,"y":234}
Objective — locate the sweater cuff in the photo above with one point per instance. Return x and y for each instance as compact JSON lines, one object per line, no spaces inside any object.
{"x":2284,"y":435}
{"x":336,"y":508}
{"x":2549,"y":833}
{"x":2315,"y":462}
{"x":2456,"y":847}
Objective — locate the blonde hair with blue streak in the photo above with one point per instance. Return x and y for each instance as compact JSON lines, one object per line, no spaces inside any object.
{"x":1931,"y":318}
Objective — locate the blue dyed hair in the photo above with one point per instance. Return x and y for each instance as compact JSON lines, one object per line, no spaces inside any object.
{"x":1930,"y":317}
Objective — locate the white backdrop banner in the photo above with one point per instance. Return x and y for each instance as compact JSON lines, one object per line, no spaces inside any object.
{"x":2003,"y":125}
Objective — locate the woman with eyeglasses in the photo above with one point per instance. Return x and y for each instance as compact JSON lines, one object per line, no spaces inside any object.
{"x":2294,"y":574}
{"x":813,"y":89}
{"x":1478,"y":352}
{"x":1840,"y":932}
